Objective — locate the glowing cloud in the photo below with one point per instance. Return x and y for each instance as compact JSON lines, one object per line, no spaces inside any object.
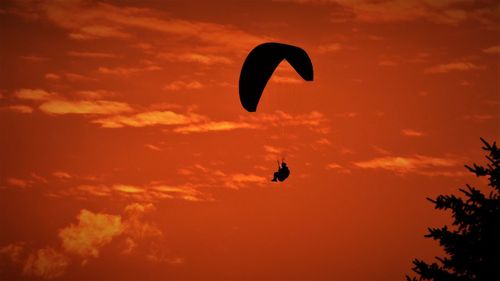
{"x":90,"y":55}
{"x":415,"y":164}
{"x":19,"y":108}
{"x":34,"y":94}
{"x":453,"y":66}
{"x":412,"y":133}
{"x":148,"y":118}
{"x":92,"y":232}
{"x":46,"y":263}
{"x":214,"y":127}
{"x":100,"y":107}
{"x":178,"y":85}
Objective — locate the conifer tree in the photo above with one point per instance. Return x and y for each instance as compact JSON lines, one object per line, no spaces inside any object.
{"x":472,"y":243}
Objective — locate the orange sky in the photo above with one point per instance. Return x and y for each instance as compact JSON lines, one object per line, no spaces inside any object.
{"x":125,"y":152}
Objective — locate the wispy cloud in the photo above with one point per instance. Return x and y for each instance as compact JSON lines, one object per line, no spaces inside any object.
{"x":17,"y":182}
{"x":62,"y":175}
{"x":34,"y":58}
{"x":152,"y":147}
{"x":34,"y":94}
{"x":179,"y":85}
{"x":97,"y":55}
{"x":19,"y":108}
{"x":76,"y":77}
{"x":52,"y":76}
{"x":425,"y":165}
{"x":329,"y":48}
{"x":451,"y":12}
{"x":453,"y":66}
{"x":313,"y":120}
{"x":86,"y":238}
{"x":338,"y":168}
{"x":85,"y":21}
{"x":285,"y":79}
{"x":149,"y":118}
{"x":47,"y":263}
{"x":206,"y":59}
{"x":480,"y":117}
{"x":492,"y":50}
{"x":412,"y":133}
{"x":151,"y":192}
{"x":98,"y":107}
{"x":127,"y":70}
{"x":56,"y":104}
{"x":214,"y":126}
{"x":238,"y":181}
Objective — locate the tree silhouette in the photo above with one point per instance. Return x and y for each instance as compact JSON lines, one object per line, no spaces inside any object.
{"x":473,"y":244}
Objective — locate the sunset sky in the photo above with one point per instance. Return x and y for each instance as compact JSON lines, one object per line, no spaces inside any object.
{"x":125,"y":152}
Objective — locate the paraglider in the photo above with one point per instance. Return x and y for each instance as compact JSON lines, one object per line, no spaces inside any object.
{"x":258,"y":69}
{"x":282,"y":173}
{"x":260,"y":65}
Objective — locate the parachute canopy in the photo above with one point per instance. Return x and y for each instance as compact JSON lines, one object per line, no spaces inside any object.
{"x":260,"y":65}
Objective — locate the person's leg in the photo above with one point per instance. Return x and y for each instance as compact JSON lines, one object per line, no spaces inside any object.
{"x":275,"y":176}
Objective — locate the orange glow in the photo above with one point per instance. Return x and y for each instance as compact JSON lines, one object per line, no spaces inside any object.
{"x":126,"y":154}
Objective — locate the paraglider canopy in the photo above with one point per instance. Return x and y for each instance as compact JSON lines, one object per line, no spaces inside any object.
{"x":260,"y":65}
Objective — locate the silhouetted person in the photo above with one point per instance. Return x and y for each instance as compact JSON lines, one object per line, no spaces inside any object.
{"x":282,"y":173}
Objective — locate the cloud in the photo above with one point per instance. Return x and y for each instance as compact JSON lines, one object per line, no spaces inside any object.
{"x":97,"y":55}
{"x":19,"y":108}
{"x":338,"y":168}
{"x":346,"y":114}
{"x":86,"y":20}
{"x":142,"y":193}
{"x":480,"y":117}
{"x":98,"y":107}
{"x":206,"y":59}
{"x":94,"y":94}
{"x":214,"y":126}
{"x":17,"y":182}
{"x":53,"y":103}
{"x":239,"y":180}
{"x":75,"y":77}
{"x":415,"y":164}
{"x":450,"y":12}
{"x":324,"y":141}
{"x":492,"y":50}
{"x":92,"y":232}
{"x":272,"y":149}
{"x":185,"y":123}
{"x":127,"y":70}
{"x":179,"y":85}
{"x":454,"y":66}
{"x":14,"y":252}
{"x":134,"y":225}
{"x":47,"y":263}
{"x":94,"y":190}
{"x":387,"y":62}
{"x":329,"y":48}
{"x":86,"y":238}
{"x":34,"y":94}
{"x":285,"y":79}
{"x":148,"y":118}
{"x":412,"y":133}
{"x":128,"y":188}
{"x":208,"y":176}
{"x":152,"y":147}
{"x":314,"y":120}
{"x":62,"y":175}
{"x":34,"y":58}
{"x":52,"y":76}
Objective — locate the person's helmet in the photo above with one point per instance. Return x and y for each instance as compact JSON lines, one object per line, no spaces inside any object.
{"x":283,"y":164}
